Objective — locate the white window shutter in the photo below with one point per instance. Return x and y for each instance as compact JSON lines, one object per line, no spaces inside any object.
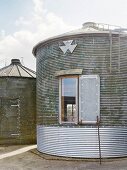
{"x":89,"y":98}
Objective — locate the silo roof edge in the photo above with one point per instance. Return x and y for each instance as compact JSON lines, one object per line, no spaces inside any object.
{"x":72,"y":33}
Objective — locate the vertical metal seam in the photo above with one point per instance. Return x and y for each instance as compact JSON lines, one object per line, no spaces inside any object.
{"x":119,"y":54}
{"x":110,"y":35}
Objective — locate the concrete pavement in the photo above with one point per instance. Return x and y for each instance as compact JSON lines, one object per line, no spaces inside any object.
{"x":31,"y":161}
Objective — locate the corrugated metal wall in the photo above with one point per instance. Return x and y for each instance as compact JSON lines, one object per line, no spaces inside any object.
{"x":82,"y":142}
{"x":102,"y":54}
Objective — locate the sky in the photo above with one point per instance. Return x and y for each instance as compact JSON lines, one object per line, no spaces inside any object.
{"x":24,"y":23}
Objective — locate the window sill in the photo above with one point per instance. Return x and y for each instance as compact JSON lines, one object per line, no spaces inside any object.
{"x":68,"y":72}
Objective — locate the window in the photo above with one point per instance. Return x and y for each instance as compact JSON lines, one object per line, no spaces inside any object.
{"x":68,"y":99}
{"x":79,"y":99}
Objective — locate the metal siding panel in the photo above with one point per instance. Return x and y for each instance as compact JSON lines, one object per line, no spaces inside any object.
{"x":82,"y":142}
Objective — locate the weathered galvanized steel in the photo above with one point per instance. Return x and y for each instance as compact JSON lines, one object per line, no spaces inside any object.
{"x":82,"y":142}
{"x":100,"y":51}
{"x":17,"y":104}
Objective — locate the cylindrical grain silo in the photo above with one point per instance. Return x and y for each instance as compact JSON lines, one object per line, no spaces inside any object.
{"x":17,"y":104}
{"x":82,"y":93}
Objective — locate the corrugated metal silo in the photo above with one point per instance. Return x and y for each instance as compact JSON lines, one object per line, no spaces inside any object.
{"x":17,"y":104}
{"x":82,"y":83}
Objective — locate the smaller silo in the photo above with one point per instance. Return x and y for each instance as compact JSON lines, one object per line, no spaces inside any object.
{"x":17,"y":104}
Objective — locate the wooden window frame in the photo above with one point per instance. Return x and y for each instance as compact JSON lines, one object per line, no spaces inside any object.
{"x":77,"y":97}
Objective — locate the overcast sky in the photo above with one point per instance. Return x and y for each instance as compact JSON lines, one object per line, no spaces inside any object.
{"x":23,"y":23}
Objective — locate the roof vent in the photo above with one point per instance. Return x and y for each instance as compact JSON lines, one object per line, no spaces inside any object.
{"x":89,"y":25}
{"x":15,"y":61}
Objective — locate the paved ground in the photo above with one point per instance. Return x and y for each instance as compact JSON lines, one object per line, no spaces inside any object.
{"x":31,"y":160}
{"x":17,"y":151}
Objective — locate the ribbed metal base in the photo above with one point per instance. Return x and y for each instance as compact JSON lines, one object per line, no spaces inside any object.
{"x":82,"y":142}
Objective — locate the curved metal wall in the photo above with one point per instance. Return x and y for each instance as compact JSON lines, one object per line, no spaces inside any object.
{"x":102,"y":54}
{"x":82,"y":142}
